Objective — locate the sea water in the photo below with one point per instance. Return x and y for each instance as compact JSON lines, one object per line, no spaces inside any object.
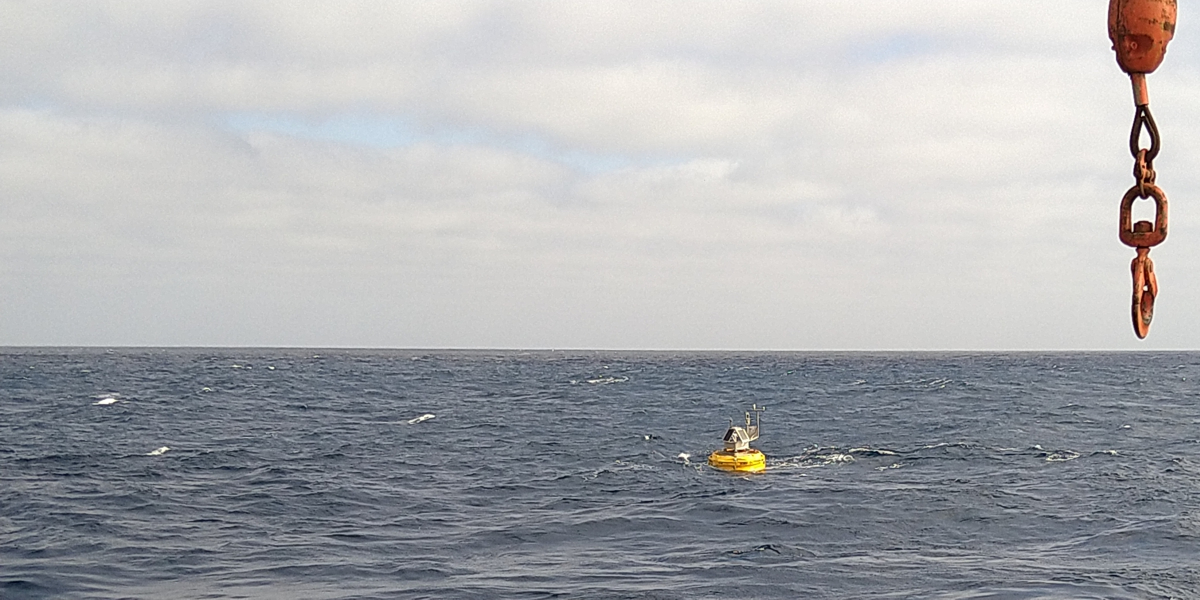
{"x":200,"y":473}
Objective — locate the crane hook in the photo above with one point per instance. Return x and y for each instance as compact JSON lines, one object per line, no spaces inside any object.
{"x":1140,"y":31}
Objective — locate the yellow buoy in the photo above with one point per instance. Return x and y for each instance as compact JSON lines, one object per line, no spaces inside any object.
{"x":751,"y":460}
{"x":737,"y":455}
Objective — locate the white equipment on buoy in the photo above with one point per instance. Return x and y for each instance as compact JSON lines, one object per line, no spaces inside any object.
{"x":737,"y":455}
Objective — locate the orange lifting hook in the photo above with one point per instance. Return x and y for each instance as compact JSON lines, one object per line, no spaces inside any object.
{"x":1145,"y":288}
{"x":1140,"y":31}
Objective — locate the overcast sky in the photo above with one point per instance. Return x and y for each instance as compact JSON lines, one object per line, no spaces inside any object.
{"x":878,"y":174}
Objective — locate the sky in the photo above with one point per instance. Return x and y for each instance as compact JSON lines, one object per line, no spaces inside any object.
{"x":690,"y":174}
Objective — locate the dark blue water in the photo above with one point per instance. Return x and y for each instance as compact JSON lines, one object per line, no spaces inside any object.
{"x":296,"y":474}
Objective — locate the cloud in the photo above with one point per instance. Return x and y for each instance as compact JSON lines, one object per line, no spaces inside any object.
{"x":612,"y":174}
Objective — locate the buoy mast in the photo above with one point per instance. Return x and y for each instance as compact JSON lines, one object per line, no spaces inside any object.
{"x":737,"y":439}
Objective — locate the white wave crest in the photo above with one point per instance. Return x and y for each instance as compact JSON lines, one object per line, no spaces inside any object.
{"x":607,"y":380}
{"x":107,"y":398}
{"x":1063,"y":456}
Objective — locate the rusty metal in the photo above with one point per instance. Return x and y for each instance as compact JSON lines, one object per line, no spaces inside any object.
{"x":1143,"y":173}
{"x":1145,"y":289}
{"x":1143,"y":234}
{"x":1141,"y":93}
{"x":1140,"y":31}
{"x":1144,"y":121}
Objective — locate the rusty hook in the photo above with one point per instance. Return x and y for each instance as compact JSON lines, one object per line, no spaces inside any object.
{"x":1140,"y":31}
{"x":1145,"y":288}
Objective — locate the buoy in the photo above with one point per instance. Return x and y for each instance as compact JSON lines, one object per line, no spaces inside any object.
{"x":737,"y":455}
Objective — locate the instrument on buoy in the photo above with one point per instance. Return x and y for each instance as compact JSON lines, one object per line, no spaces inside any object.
{"x":1140,"y":31}
{"x":737,"y":455}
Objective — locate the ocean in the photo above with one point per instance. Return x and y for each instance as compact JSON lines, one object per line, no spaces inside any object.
{"x":300,"y":473}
